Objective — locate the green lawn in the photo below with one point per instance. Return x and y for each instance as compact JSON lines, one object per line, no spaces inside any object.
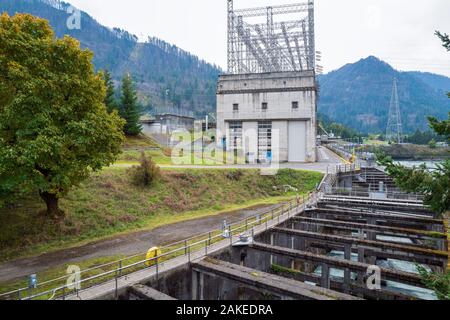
{"x":134,"y":146}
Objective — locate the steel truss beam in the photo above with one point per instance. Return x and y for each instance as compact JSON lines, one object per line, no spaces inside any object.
{"x":273,"y":44}
{"x":276,"y":10}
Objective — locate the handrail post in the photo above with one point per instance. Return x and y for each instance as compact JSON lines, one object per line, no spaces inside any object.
{"x":157,"y":272}
{"x":185,"y":247}
{"x":209,"y":238}
{"x":120,"y":268}
{"x":117,"y":289}
{"x":206,"y":247}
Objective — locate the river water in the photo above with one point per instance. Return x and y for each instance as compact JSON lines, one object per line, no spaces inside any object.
{"x":405,"y":266}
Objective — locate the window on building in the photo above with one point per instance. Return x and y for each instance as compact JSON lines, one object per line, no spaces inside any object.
{"x":264,"y":106}
{"x":295,"y":105}
{"x":235,"y":107}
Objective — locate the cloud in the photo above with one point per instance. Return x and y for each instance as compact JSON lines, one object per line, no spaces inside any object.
{"x":399,"y":32}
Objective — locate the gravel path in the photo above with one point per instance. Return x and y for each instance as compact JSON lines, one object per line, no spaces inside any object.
{"x":127,"y":245}
{"x":141,"y":241}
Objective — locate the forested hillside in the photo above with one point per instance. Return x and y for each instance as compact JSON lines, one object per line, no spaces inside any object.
{"x":358,"y":95}
{"x":159,"y":68}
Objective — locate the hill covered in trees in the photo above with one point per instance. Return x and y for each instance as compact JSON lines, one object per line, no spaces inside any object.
{"x":162,"y":72}
{"x":358,"y":95}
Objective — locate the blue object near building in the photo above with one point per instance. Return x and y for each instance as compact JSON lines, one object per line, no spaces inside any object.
{"x":224,"y":144}
{"x":32,"y":281}
{"x":269,"y":156}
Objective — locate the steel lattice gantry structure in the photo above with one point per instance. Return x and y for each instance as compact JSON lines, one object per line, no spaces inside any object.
{"x":271,"y":39}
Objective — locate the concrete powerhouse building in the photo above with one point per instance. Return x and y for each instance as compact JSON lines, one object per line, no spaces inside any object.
{"x":266,"y":103}
{"x":255,"y":112}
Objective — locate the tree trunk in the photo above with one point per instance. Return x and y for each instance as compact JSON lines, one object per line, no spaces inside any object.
{"x":52,"y":202}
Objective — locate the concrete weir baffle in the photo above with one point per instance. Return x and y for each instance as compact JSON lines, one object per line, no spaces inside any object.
{"x":330,"y":251}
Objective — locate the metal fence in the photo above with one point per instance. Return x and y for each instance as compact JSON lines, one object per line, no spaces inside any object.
{"x":60,"y":288}
{"x":374,"y":194}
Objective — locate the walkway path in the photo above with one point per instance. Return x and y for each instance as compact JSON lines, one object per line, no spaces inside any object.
{"x":109,"y":288}
{"x":127,"y":245}
{"x":141,"y":241}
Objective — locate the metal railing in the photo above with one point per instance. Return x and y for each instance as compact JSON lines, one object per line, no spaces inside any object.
{"x":60,"y":288}
{"x":348,"y":168}
{"x":373,"y":194}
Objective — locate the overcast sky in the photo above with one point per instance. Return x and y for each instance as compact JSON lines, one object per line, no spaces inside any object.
{"x":397,"y":31}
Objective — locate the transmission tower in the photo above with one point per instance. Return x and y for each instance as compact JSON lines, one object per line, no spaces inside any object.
{"x":394,"y":128}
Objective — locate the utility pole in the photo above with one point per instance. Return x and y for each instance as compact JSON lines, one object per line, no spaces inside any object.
{"x":167,"y":123}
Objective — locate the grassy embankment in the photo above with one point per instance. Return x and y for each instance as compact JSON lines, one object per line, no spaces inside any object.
{"x":134,"y":147}
{"x":108,"y":204}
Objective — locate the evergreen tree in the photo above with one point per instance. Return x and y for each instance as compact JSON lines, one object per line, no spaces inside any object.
{"x":434,"y":185}
{"x":445,"y":40}
{"x":130,"y":110}
{"x":110,"y":99}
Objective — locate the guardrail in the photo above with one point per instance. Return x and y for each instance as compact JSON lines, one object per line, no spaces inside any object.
{"x":348,"y":168}
{"x":60,"y":288}
{"x":371,"y":194}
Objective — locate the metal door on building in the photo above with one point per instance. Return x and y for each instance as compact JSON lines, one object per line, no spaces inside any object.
{"x":264,"y":142}
{"x":297,"y":141}
{"x":235,"y":135}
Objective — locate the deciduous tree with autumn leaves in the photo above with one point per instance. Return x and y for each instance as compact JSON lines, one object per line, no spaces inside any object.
{"x":54,"y":127}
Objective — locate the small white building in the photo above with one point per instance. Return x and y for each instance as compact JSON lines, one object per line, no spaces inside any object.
{"x":268,"y":116}
{"x":166,"y":124}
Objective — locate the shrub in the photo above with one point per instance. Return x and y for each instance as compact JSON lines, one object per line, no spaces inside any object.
{"x":146,"y":173}
{"x":167,"y":152}
{"x":235,"y":175}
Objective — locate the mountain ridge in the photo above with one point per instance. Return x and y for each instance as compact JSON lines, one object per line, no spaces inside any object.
{"x":165,"y":75}
{"x":358,"y":95}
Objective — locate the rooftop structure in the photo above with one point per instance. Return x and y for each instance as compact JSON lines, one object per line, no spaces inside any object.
{"x":271,"y":39}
